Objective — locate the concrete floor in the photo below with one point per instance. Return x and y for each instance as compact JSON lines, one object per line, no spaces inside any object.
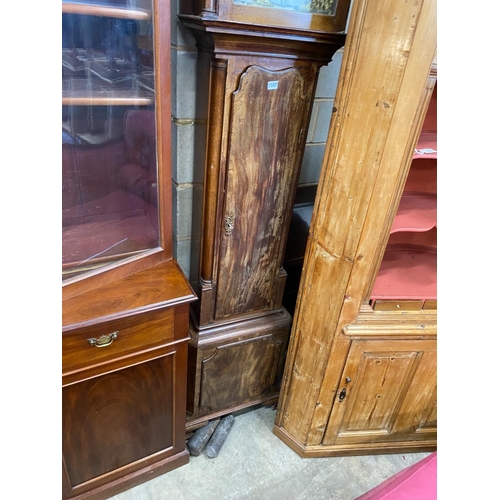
{"x":254,"y":464}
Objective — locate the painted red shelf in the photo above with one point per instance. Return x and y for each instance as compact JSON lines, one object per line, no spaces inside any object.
{"x":406,"y":274}
{"x":416,"y":213}
{"x":426,"y":141}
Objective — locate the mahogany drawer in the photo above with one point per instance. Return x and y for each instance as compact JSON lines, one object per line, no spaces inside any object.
{"x":116,"y":338}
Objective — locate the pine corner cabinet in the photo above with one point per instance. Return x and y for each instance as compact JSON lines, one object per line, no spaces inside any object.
{"x":125,"y":301}
{"x":258,"y":64}
{"x":360,"y":375}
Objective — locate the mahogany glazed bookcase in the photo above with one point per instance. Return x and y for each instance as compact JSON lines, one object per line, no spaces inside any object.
{"x":125,"y":302}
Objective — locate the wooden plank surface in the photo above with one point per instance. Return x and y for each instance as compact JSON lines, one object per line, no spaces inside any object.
{"x":262,"y":169}
{"x":159,"y":286}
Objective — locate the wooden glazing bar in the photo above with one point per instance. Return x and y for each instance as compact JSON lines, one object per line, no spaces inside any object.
{"x":162,"y":64}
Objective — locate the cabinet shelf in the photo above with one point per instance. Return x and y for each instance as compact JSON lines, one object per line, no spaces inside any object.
{"x":109,"y":228}
{"x":416,"y":213}
{"x":103,"y":9}
{"x":427,"y":140}
{"x":107,"y":239}
{"x":407,"y":273}
{"x":78,"y":92}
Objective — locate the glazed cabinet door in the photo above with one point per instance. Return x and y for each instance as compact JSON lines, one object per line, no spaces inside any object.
{"x":387,"y":393}
{"x":267,"y":124}
{"x":114,"y":155}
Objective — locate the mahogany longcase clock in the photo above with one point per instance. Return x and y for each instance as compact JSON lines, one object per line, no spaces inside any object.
{"x":258,"y":65}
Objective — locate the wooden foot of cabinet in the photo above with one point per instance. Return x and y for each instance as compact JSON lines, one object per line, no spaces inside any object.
{"x":235,"y":366}
{"x":319,"y":451}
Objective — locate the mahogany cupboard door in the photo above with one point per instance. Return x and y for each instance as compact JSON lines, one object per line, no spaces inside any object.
{"x":122,"y":421}
{"x":387,"y":394}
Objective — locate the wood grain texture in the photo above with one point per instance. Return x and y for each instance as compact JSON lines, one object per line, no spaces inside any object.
{"x":133,"y":334}
{"x":260,"y":86}
{"x":387,"y":397}
{"x":262,"y":168}
{"x":157,"y":287}
{"x":266,"y":18}
{"x":115,"y":420}
{"x":130,"y":479}
{"x":422,"y":178}
{"x":124,"y":405}
{"x":253,"y":135}
{"x":237,"y":372}
{"x":318,"y":451}
{"x":162,"y":55}
{"x":237,"y":365}
{"x":211,"y":199}
{"x":216,"y":178}
{"x":216,"y":116}
{"x":387,"y":59}
{"x":124,"y":426}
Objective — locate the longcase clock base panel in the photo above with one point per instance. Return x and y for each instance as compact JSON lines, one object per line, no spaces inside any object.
{"x":236,"y":365}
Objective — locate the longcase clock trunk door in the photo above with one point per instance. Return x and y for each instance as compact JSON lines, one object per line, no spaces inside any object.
{"x":267,"y":129}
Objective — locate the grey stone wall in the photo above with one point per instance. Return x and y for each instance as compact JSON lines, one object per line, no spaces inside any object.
{"x":185,"y":124}
{"x":320,"y":121}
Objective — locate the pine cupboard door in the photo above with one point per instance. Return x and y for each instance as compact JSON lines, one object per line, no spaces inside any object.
{"x":387,"y":394}
{"x":266,"y":132}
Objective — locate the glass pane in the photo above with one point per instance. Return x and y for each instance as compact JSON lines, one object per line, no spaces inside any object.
{"x":305,"y":6}
{"x":109,"y":170}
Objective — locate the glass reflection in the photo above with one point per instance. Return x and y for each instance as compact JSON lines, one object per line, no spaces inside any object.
{"x":305,"y":6}
{"x":109,"y":172}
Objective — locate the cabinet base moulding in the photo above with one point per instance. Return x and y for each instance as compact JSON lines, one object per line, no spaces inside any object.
{"x":319,"y":451}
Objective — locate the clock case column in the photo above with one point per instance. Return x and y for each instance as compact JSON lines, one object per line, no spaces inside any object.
{"x":255,"y":90}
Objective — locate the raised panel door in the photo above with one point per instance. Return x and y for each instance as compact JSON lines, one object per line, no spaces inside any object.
{"x":114,"y":423}
{"x":240,"y":371}
{"x":117,"y":419}
{"x":387,"y":393}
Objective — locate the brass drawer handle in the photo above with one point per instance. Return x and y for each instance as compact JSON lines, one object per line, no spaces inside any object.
{"x":103,"y":340}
